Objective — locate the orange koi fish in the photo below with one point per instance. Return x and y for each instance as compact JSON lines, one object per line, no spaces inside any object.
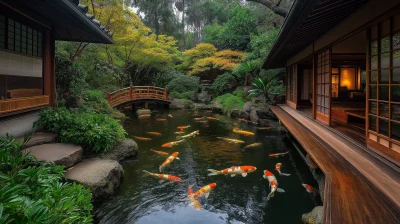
{"x":278,"y":167}
{"x":194,"y":202}
{"x":170,"y":144}
{"x":183,"y":127}
{"x":144,"y":115}
{"x":169,"y":115}
{"x":142,"y":138}
{"x":231,"y":140}
{"x":212,"y":118}
{"x":310,"y":189}
{"x":242,"y":132}
{"x":164,"y":176}
{"x":243,"y":170}
{"x":204,"y":191}
{"x":264,"y":128}
{"x":278,"y":154}
{"x":257,"y":144}
{"x":273,"y":183}
{"x":189,"y":135}
{"x":209,"y":111}
{"x":160,"y":152}
{"x":161,"y":119}
{"x":199,"y":118}
{"x":179,"y":132}
{"x":153,"y":133}
{"x":169,"y":160}
{"x":244,"y":120}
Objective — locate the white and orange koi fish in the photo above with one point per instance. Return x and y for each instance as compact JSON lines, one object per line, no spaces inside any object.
{"x":183,"y":127}
{"x":233,"y":171}
{"x":242,"y":132}
{"x":254,"y":145}
{"x":278,"y":167}
{"x":278,"y":154}
{"x":153,"y":133}
{"x":212,"y":118}
{"x":142,"y":138}
{"x":144,"y":115}
{"x":189,"y":135}
{"x":169,"y":115}
{"x":310,"y":189}
{"x":244,"y":120}
{"x":231,"y":140}
{"x":204,"y":191}
{"x":160,"y":152}
{"x":199,"y":119}
{"x":169,"y":160}
{"x":164,"y":176}
{"x":170,"y":144}
{"x":194,"y":202}
{"x":273,"y":183}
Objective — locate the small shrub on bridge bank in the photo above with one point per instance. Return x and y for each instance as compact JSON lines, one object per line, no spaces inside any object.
{"x":33,"y":192}
{"x":96,"y":100}
{"x":185,"y":95}
{"x":184,"y":83}
{"x":231,"y":101}
{"x":223,"y":84}
{"x":98,"y":132}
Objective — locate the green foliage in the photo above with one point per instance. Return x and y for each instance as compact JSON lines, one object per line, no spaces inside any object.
{"x":98,"y":132}
{"x":32,"y":192}
{"x":231,"y":101}
{"x":184,"y":83}
{"x":95,"y":100}
{"x":185,"y":95}
{"x":223,"y":84}
{"x":261,"y":44}
{"x":271,"y":88}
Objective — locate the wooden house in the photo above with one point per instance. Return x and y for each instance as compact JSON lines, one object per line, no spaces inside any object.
{"x":28,"y":31}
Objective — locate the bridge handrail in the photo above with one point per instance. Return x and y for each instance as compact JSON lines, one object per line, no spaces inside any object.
{"x":137,"y":92}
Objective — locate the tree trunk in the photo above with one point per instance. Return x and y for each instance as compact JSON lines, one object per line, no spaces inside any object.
{"x":274,"y":7}
{"x":183,"y":25}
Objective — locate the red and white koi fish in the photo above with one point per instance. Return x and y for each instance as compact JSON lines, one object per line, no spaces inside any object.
{"x":212,"y":118}
{"x":179,"y":132}
{"x":153,"y":133}
{"x":199,"y":118}
{"x":183,"y":127}
{"x":278,"y":168}
{"x":144,"y":115}
{"x":160,"y":152}
{"x":164,"y":176}
{"x":273,"y":183}
{"x":233,"y":171}
{"x":142,"y":138}
{"x":194,"y":202}
{"x":170,"y":144}
{"x":204,"y":191}
{"x":278,"y":154}
{"x":310,"y":189}
{"x":189,"y":135}
{"x":231,"y":140}
{"x":169,"y":160}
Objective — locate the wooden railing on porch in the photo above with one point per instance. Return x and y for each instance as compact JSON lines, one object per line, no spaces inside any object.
{"x":18,"y":104}
{"x":133,"y":93}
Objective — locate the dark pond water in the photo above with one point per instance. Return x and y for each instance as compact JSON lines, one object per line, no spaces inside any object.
{"x":144,"y":199}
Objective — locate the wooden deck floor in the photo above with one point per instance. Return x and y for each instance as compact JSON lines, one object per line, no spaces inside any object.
{"x":360,"y":187}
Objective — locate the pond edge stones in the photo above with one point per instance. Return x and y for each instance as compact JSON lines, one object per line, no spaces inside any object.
{"x":102,"y":176}
{"x":123,"y":150}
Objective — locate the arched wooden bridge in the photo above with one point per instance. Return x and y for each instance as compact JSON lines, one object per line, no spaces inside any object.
{"x":138,"y":94}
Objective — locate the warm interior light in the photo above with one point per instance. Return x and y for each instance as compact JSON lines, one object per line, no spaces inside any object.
{"x":348,"y":78}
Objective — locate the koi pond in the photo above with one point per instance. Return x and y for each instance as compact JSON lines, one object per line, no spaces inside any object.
{"x":142,"y":198}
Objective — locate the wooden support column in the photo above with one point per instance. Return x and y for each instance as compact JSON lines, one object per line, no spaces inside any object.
{"x":49,"y":66}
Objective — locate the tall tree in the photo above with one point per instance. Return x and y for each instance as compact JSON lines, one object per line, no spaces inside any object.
{"x":274,"y":6}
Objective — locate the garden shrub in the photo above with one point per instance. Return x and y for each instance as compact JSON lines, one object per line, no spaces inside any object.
{"x":96,"y":100}
{"x":185,"y":95}
{"x":33,"y":192}
{"x":223,"y":84}
{"x":184,"y":83}
{"x":231,"y":101}
{"x":98,"y":132}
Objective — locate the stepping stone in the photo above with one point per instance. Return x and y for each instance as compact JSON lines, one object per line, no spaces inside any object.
{"x":102,"y":176}
{"x":40,"y":138}
{"x":60,"y":153}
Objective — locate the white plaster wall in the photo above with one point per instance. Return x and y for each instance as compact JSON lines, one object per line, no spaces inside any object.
{"x":20,"y":65}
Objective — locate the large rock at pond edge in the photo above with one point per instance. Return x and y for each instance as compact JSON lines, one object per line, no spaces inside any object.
{"x":180,"y":104}
{"x":247,"y":107}
{"x":143,"y":111}
{"x":102,"y":176}
{"x":254,"y":117}
{"x":60,"y":153}
{"x":314,"y":217}
{"x":204,"y":97}
{"x":125,"y":149}
{"x":235,"y":113}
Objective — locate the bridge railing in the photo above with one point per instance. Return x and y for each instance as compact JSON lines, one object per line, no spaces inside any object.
{"x":136,"y":93}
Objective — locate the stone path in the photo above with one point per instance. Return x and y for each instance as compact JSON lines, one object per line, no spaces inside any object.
{"x":60,"y":153}
{"x":40,"y":138}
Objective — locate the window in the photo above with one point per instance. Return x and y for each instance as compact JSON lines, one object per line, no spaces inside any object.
{"x":20,"y":38}
{"x":323,"y":73}
{"x":384,"y":85}
{"x":291,"y":91}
